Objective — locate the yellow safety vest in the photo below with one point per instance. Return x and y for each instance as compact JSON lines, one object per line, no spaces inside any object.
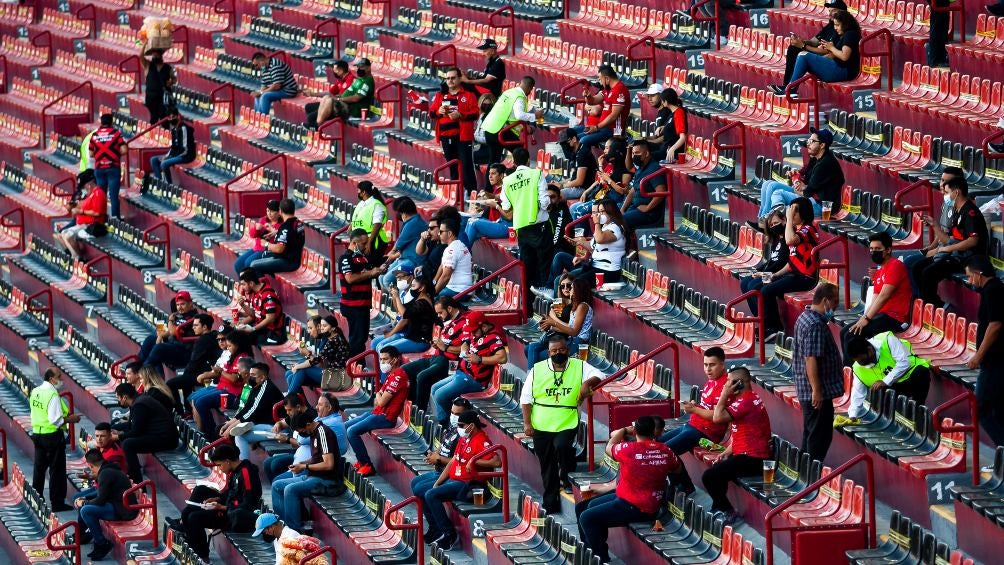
{"x":498,"y":116}
{"x":85,"y":152}
{"x":38,"y":401}
{"x":886,"y":362}
{"x":362,"y":216}
{"x":520,"y":189}
{"x":556,"y":408}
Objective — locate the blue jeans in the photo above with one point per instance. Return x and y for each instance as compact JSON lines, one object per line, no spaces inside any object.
{"x":580,"y":209}
{"x":296,"y":379}
{"x":654,"y":218}
{"x":747,"y":284}
{"x":361,"y":425}
{"x":536,"y":351}
{"x":434,"y":498}
{"x":203,"y":401}
{"x":480,"y":227}
{"x":245,"y":259}
{"x":90,"y":515}
{"x":277,"y":465}
{"x":161,"y":165}
{"x":598,"y":515}
{"x":260,"y":432}
{"x":110,"y":180}
{"x":590,"y":140}
{"x":774,"y":193}
{"x":826,"y":70}
{"x":288,"y":495}
{"x":403,"y":344}
{"x":446,"y":390}
{"x":272,"y":265}
{"x":263,"y":104}
{"x":682,"y":440}
{"x":86,"y":493}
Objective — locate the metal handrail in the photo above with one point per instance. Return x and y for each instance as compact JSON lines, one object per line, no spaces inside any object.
{"x":758,"y":319}
{"x":887,"y":53}
{"x":769,"y":528}
{"x":973,"y":428}
{"x":231,"y":12}
{"x":955,"y":6}
{"x":71,"y":427}
{"x":204,"y":452}
{"x":496,"y":274}
{"x":138,"y":87}
{"x":511,"y":27}
{"x":990,"y":153}
{"x":590,"y":402}
{"x":310,"y":556}
{"x":418,"y":525}
{"x":350,"y":365}
{"x":165,"y":240}
{"x":399,"y":99}
{"x":152,"y":127}
{"x":212,"y":98}
{"x":19,"y":211}
{"x":322,"y":132}
{"x":151,"y":505}
{"x":59,"y":193}
{"x":698,"y":16}
{"x":739,"y":147}
{"x":332,"y":242}
{"x":668,"y":194}
{"x":74,"y":547}
{"x":565,"y":100}
{"x":568,"y":229}
{"x":113,"y":371}
{"x":48,"y":36}
{"x":226,"y":187}
{"x":187,"y":52}
{"x":525,"y":135}
{"x":91,"y":17}
{"x":457,"y":186}
{"x":897,"y":198}
{"x":107,"y":275}
{"x":435,"y":62}
{"x":319,"y":33}
{"x":648,"y":41}
{"x":502,"y":473}
{"x":47,"y":309}
{"x":44,"y":142}
{"x":792,"y":88}
{"x":845,"y":265}
{"x":3,"y":74}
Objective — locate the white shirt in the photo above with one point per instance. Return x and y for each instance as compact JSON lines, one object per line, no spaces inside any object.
{"x":287,"y":533}
{"x":519,"y":112}
{"x":55,"y":408}
{"x":542,"y":200}
{"x":526,"y":395}
{"x":458,"y":257}
{"x":859,"y":392}
{"x":224,"y":359}
{"x":607,"y":256}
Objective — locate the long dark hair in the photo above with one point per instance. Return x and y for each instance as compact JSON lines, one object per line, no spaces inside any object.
{"x":805,"y":212}
{"x":846,"y":21}
{"x":612,"y":211}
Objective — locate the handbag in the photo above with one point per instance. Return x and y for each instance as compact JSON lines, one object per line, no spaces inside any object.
{"x":97,"y":229}
{"x":335,"y":380}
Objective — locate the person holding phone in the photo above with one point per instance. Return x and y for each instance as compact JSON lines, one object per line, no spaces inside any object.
{"x":799,"y":46}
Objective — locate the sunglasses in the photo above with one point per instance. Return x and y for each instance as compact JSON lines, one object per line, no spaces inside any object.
{"x":565,"y":285}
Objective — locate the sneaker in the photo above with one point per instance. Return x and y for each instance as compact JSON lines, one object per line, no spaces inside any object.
{"x":777,"y":89}
{"x":772,"y":335}
{"x":432,"y":536}
{"x":174,"y":523}
{"x":755,"y":225}
{"x":241,"y":429}
{"x":987,"y":469}
{"x":100,"y":551}
{"x":366,"y":470}
{"x":548,"y":292}
{"x":567,"y":487}
{"x":448,"y":540}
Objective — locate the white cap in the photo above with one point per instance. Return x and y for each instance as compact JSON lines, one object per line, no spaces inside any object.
{"x":655,"y":88}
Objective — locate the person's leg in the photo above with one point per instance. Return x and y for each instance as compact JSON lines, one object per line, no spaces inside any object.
{"x":130,"y":448}
{"x":91,"y":515}
{"x":460,"y":384}
{"x":245,"y":259}
{"x":419,"y":486}
{"x":436,"y":497}
{"x":309,"y":376}
{"x":910,"y":260}
{"x":789,"y":62}
{"x":817,"y":434}
{"x":826,"y":69}
{"x":166,"y":352}
{"x":937,"y":53}
{"x":580,"y":209}
{"x":935,"y":272}
{"x":465,"y":154}
{"x":782,"y":197}
{"x":584,"y":505}
{"x":265,"y":100}
{"x":359,"y":326}
{"x":990,"y":401}
{"x":597,"y":520}
{"x":800,"y":68}
{"x":751,"y":283}
{"x":436,"y":369}
{"x":777,"y":289}
{"x":717,"y":478}
{"x":535,"y":351}
{"x":362,"y":425}
{"x":203,"y":405}
{"x":325,"y":109}
{"x":881,"y":323}
{"x":166,"y":165}
{"x":279,"y":487}
{"x":276,"y":465}
{"x":571,"y":193}
{"x":195,"y":529}
{"x":155,"y":167}
{"x":562,"y":262}
{"x":273,"y":265}
{"x":590,"y":140}
{"x":767,"y":189}
{"x":480,"y":227}
{"x":259,"y":432}
{"x":564,"y":445}
{"x":917,"y":386}
{"x":547,"y":454}
{"x":405,"y":345}
{"x":85,"y":493}
{"x":114,"y":179}
{"x":146,"y":347}
{"x":57,"y":472}
{"x":680,"y":441}
{"x":45,"y":454}
{"x":293,"y":496}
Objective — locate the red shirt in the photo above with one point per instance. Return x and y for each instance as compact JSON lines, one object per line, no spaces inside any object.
{"x":800,"y":256}
{"x":397,"y":385}
{"x":644,"y":468}
{"x":618,"y":95}
{"x":893,"y":272}
{"x":453,"y":334}
{"x":466,"y":103}
{"x":467,"y":448}
{"x":265,"y":301}
{"x":231,"y":387}
{"x":105,"y":144}
{"x":96,"y":201}
{"x":341,"y":84}
{"x":486,"y":346}
{"x":114,"y":454}
{"x":750,"y":426}
{"x":709,"y":397}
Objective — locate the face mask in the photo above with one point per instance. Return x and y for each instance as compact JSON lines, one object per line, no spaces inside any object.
{"x":463,"y":432}
{"x":454,"y":420}
{"x":403,"y":284}
{"x":777,"y":230}
{"x":385,"y":367}
{"x":415,"y":292}
{"x":948,"y":199}
{"x":268,"y":538}
{"x":360,"y":72}
{"x":59,"y":385}
{"x":604,"y":218}
{"x":878,"y":257}
{"x":559,"y":358}
{"x":567,"y":151}
{"x":638,"y":161}
{"x":829,"y":314}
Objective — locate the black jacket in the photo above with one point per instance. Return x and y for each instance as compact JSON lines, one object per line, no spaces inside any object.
{"x":258,"y":408}
{"x":243,"y":490}
{"x":112,"y":484}
{"x":823,"y":178}
{"x":183,"y":142}
{"x":148,"y":417}
{"x":205,"y":352}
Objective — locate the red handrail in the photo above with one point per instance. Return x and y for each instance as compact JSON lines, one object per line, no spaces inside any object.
{"x":956,"y":6}
{"x":69,"y":411}
{"x":845,"y":265}
{"x":990,"y":153}
{"x":205,"y":451}
{"x":91,"y":17}
{"x":150,"y":504}
{"x":573,"y":223}
{"x":455,"y":187}
{"x":758,"y":319}
{"x":212,"y":98}
{"x":418,"y":525}
{"x":565,"y":100}
{"x":43,"y":142}
{"x":399,"y":99}
{"x":47,"y":309}
{"x":503,"y":473}
{"x":154,"y":126}
{"x":496,"y":274}
{"x":591,"y":402}
{"x":310,"y":556}
{"x":113,"y":371}
{"x":351,"y":364}
{"x":3,"y":447}
{"x":322,"y":131}
{"x":738,"y":147}
{"x":521,"y":141}
{"x":332,"y":242}
{"x":973,"y":429}
{"x":164,"y":240}
{"x":435,"y":62}
{"x":19,"y":211}
{"x":74,"y":547}
{"x":668,"y":194}
{"x":71,"y":180}
{"x":48,"y":36}
{"x":187,"y":52}
{"x":231,"y":12}
{"x":106,"y":275}
{"x":769,"y":528}
{"x":698,"y":16}
{"x":3,"y":75}
{"x":226,"y":187}
{"x":897,"y":199}
{"x":138,"y":70}
{"x":336,"y":36}
{"x":887,"y":53}
{"x":511,"y":27}
{"x":792,"y":88}
{"x":648,"y":41}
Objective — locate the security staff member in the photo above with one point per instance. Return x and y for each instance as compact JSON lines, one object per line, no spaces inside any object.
{"x":511,"y":107}
{"x":524,"y":202}
{"x":550,"y":400}
{"x":886,"y":361}
{"x":48,"y":415}
{"x":370,"y":215}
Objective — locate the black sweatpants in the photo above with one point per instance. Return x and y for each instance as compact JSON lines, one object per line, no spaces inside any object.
{"x":536,"y":250}
{"x":930,"y":271}
{"x":556,"y":452}
{"x":462,"y":151}
{"x":717,"y":478}
{"x":817,"y":429}
{"x":50,"y":456}
{"x":495,"y":147}
{"x":358,"y":318}
{"x":990,"y":400}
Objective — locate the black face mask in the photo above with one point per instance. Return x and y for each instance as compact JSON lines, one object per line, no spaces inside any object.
{"x":638,"y":161}
{"x":567,"y":151}
{"x":777,"y":230}
{"x":878,"y":257}
{"x":267,"y":538}
{"x":415,"y":292}
{"x":360,"y":72}
{"x":559,"y":358}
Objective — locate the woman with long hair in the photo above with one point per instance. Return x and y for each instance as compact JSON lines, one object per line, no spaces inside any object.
{"x":775,"y":258}
{"x":602,"y":253}
{"x":330,"y":351}
{"x":801,"y":270}
{"x":572,"y":317}
{"x":841,"y":58}
{"x":413,"y":331}
{"x":154,"y":385}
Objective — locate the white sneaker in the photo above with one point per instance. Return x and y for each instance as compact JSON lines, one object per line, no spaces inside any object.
{"x":548,"y":292}
{"x":241,"y":429}
{"x":987,"y":469}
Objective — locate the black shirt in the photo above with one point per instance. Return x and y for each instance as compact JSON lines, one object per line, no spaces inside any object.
{"x":968,"y":222}
{"x":322,"y":442}
{"x":495,"y":68}
{"x":587,"y":160}
{"x":434,"y":257}
{"x":291,"y":233}
{"x":991,"y":310}
{"x":823,"y":178}
{"x":776,"y":259}
{"x":156,"y":82}
{"x":183,"y":142}
{"x":853,"y":63}
{"x":827,"y":33}
{"x":243,"y":489}
{"x":204,"y":354}
{"x":421,"y":316}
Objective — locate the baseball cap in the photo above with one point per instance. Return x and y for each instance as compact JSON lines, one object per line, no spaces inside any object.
{"x":566,"y":134}
{"x":363,"y":62}
{"x":264,"y":521}
{"x":406,"y":267}
{"x":838,"y":4}
{"x":488,"y":43}
{"x":655,"y":88}
{"x":475,"y":318}
{"x":470,"y":417}
{"x":824,"y":135}
{"x":183,"y":295}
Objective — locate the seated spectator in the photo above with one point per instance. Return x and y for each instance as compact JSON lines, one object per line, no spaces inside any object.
{"x":262,"y":317}
{"x":388,"y":404}
{"x":969,"y":237}
{"x":253,"y":421}
{"x":775,"y":257}
{"x":182,"y":147}
{"x":358,"y":96}
{"x":572,"y":318}
{"x":285,"y":252}
{"x":120,"y":420}
{"x":644,"y":466}
{"x":700,"y":427}
{"x":613,"y":179}
{"x":642,"y":211}
{"x":170,"y":345}
{"x":456,"y":480}
{"x":152,"y":383}
{"x":230,"y":379}
{"x":742,"y":409}
{"x":482,"y":350}
{"x":332,"y":352}
{"x":292,"y":404}
{"x":455,"y":273}
{"x":151,"y":428}
{"x":277,"y":82}
{"x":263,"y":233}
{"x":584,"y":165}
{"x":889,"y":309}
{"x":205,"y":351}
{"x":430,"y":247}
{"x":413,"y":331}
{"x":410,"y":228}
{"x":324,"y":469}
{"x":838,"y":61}
{"x":320,"y":112}
{"x":602,"y":253}
{"x":798,"y":46}
{"x":328,"y":412}
{"x":110,"y":450}
{"x":89,"y":213}
{"x":491,"y":223}
{"x":943,"y":222}
{"x":427,"y":371}
{"x":820,"y":179}
{"x":884,"y":361}
{"x":616,"y":110}
{"x":106,"y":504}
{"x":670,"y":139}
{"x":448,"y":436}
{"x":234,"y":509}
{"x":370,"y":215}
{"x":802,"y":269}
{"x":272,"y":530}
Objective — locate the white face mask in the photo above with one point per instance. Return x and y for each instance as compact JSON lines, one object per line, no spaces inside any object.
{"x":385,"y":367}
{"x":948,"y":198}
{"x":604,"y":218}
{"x":463,"y":432}
{"x":454,"y":420}
{"x":403,"y":284}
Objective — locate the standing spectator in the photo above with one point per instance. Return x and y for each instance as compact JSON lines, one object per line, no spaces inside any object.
{"x":285,"y":252}
{"x":670,"y":125}
{"x":263,"y":233}
{"x":205,"y":352}
{"x":483,"y":349}
{"x":742,"y":409}
{"x":413,"y":331}
{"x":358,"y":96}
{"x":827,"y":34}
{"x":429,"y":370}
{"x":231,"y":378}
{"x":642,"y":211}
{"x":331,"y":351}
{"x":277,"y":82}
{"x":816,"y":366}
{"x":430,"y":247}
{"x":107,"y":504}
{"x":160,"y":78}
{"x":510,"y":108}
{"x":644,"y":465}
{"x":550,"y":406}
{"x":885,"y":361}
{"x":455,"y":273}
{"x":494,"y":75}
{"x":456,"y":110}
{"x":262,"y":315}
{"x":409,"y":230}
{"x":988,"y":357}
{"x":820,"y":179}
{"x":170,"y":344}
{"x":357,"y":290}
{"x":889,"y":310}
{"x":584,"y":167}
{"x":388,"y":404}
{"x":525,"y":202}
{"x":800,"y":273}
{"x":370,"y":215}
{"x":492,"y":224}
{"x":253,"y":421}
{"x":320,"y":112}
{"x":616,"y":110}
{"x":151,"y":428}
{"x":937,"y":53}
{"x":968,"y":237}
{"x":572,"y":319}
{"x":775,"y":258}
{"x":603,"y":252}
{"x":48,"y":416}
{"x":612,"y":179}
{"x":839,"y":60}
{"x":110,"y":450}
{"x":324,"y":469}
{"x":90,"y":212}
{"x":107,"y":148}
{"x":182,"y":147}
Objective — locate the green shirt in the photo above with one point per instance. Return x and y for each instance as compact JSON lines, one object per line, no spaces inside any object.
{"x":364,"y":87}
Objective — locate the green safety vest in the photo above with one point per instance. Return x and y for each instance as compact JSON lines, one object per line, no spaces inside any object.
{"x":39,"y":403}
{"x":85,"y":152}
{"x":362,"y":216}
{"x":885,"y":363}
{"x":556,"y":408}
{"x":498,"y":117}
{"x":520,"y":188}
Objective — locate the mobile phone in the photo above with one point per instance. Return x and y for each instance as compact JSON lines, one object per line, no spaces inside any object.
{"x":740,"y":385}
